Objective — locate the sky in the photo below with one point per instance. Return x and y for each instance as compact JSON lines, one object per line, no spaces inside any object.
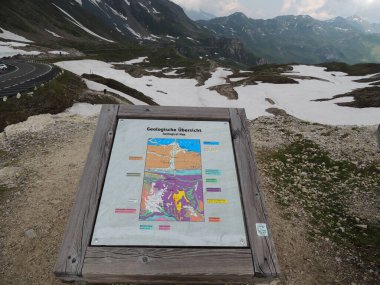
{"x":265,"y":9}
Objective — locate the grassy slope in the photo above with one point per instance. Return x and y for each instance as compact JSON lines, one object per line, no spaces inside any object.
{"x":360,"y":69}
{"x":54,"y":97}
{"x":363,"y":97}
{"x":111,"y":83}
{"x":323,"y":193}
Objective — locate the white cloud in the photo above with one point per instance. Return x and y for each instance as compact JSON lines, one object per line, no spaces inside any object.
{"x":287,"y":5}
{"x":220,"y":7}
{"x":189,"y":4}
{"x":232,"y":6}
{"x":314,"y":8}
{"x":366,"y":2}
{"x":320,"y":9}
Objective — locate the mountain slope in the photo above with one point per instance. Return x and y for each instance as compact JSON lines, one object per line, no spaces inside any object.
{"x":120,"y":21}
{"x":46,"y":23}
{"x":143,"y":19}
{"x":115,"y":24}
{"x":363,"y":25}
{"x":299,"y":38}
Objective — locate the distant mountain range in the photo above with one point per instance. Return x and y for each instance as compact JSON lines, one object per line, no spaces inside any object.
{"x":113,"y":24}
{"x":361,"y":24}
{"x":302,"y":38}
{"x":199,"y":15}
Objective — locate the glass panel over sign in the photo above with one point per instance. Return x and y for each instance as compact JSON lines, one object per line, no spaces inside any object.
{"x":171,"y":183}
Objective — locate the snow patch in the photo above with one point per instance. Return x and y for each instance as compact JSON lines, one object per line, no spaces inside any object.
{"x":84,"y":109}
{"x":75,"y":22}
{"x":134,"y":61}
{"x":145,"y":7}
{"x":237,"y":79}
{"x":171,"y":73}
{"x":7,"y":35}
{"x":218,"y":77}
{"x":53,"y":34}
{"x":95,"y":2}
{"x":58,"y":52}
{"x":8,"y":51}
{"x":171,"y":37}
{"x":13,"y":44}
{"x":100,"y":88}
{"x":295,"y":99}
{"x":117,"y":13}
{"x":133,"y":32}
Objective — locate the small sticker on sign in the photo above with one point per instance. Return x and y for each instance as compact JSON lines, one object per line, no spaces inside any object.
{"x":262,"y":230}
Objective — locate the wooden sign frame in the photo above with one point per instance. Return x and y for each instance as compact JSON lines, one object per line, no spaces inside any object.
{"x":78,"y":261}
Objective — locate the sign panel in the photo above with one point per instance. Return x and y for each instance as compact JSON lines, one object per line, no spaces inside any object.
{"x":171,"y":183}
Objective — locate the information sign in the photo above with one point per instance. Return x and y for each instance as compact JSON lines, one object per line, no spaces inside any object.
{"x":171,"y":183}
{"x":169,"y":195}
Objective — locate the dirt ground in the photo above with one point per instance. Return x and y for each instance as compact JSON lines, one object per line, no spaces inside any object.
{"x":39,"y":171}
{"x":34,"y":214}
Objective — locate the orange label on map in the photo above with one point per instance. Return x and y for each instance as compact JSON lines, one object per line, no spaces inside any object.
{"x":136,"y":158}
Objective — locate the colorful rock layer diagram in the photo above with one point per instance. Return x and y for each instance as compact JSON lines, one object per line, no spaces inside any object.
{"x":172,"y":187}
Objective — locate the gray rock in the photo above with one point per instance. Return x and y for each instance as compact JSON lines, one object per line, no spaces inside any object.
{"x":361,"y":226}
{"x":30,"y":234}
{"x":9,"y":176}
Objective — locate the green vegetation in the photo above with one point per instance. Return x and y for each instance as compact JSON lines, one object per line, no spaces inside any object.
{"x":170,"y":57}
{"x":93,"y":97}
{"x":111,"y":83}
{"x":272,"y":68}
{"x":115,"y":54}
{"x":56,"y":96}
{"x":363,"y":98}
{"x":274,"y":79}
{"x":360,"y":69}
{"x":309,"y":181}
{"x":374,"y":78}
{"x":3,"y":191}
{"x":268,"y":73}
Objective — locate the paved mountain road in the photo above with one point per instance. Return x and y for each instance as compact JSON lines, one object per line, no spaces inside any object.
{"x":23,"y":76}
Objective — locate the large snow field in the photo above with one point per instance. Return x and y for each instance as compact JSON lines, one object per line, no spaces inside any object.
{"x":295,"y":99}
